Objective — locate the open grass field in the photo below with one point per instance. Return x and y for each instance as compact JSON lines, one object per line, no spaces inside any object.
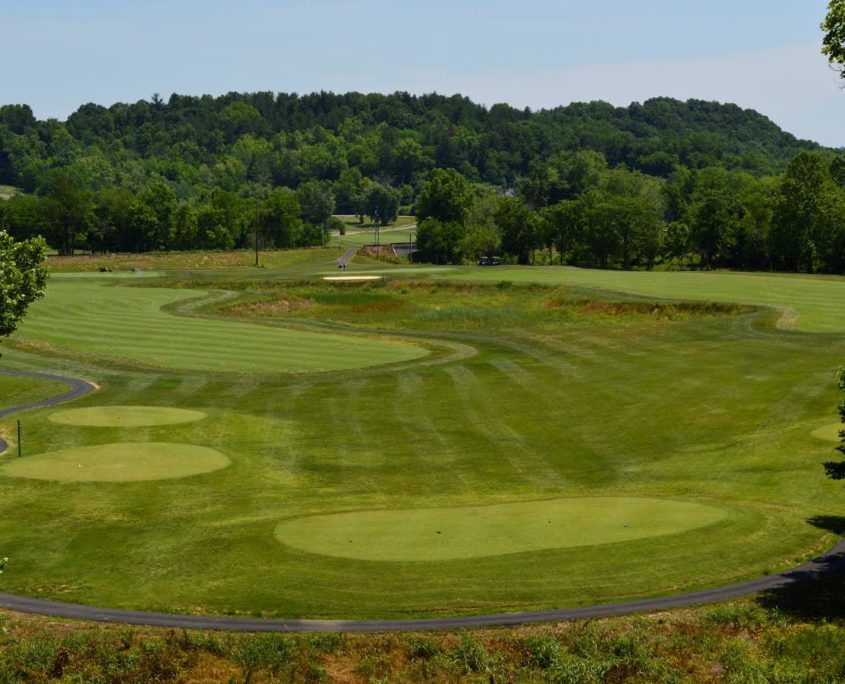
{"x":291,"y":260}
{"x":672,"y":446}
{"x":131,"y":324}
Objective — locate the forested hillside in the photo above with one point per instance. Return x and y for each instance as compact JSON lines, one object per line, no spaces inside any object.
{"x":199,"y":172}
{"x":287,"y":139}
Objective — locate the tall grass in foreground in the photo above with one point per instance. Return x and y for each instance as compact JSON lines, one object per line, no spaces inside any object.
{"x":734,"y":642}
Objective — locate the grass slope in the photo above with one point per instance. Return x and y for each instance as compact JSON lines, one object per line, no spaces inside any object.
{"x":20,"y":391}
{"x":547,"y":400}
{"x":129,"y":323}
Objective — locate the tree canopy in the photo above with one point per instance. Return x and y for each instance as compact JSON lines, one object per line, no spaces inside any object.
{"x":23,"y":277}
{"x":694,"y":183}
{"x":833,"y":45}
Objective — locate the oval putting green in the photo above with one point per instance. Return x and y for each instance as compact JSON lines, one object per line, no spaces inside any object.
{"x":829,"y":433}
{"x":119,"y":462}
{"x":438,"y":534}
{"x":125,"y":416}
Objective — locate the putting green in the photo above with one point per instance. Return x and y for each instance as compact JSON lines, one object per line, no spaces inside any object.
{"x":119,"y":462}
{"x":437,"y":534}
{"x":829,"y":433}
{"x":125,"y":416}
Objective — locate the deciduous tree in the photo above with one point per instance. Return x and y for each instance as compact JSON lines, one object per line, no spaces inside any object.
{"x":281,"y":218}
{"x":446,"y":197}
{"x":316,"y":202}
{"x":23,"y":277}
{"x":382,"y":203}
{"x":808,"y":216}
{"x":70,"y":213}
{"x":518,"y":226}
{"x":834,"y":39}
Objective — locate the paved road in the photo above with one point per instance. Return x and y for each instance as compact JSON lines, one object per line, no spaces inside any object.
{"x":835,"y":559}
{"x":343,"y":259}
{"x":832,"y":560}
{"x":78,"y":388}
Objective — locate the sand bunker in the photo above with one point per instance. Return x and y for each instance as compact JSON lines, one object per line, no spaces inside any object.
{"x":120,"y":462}
{"x":125,"y":416}
{"x":353,"y":278}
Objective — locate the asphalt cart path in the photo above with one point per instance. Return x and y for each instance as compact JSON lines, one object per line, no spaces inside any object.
{"x":78,"y":388}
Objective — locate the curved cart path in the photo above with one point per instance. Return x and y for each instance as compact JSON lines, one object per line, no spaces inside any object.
{"x":78,"y":388}
{"x":832,"y":560}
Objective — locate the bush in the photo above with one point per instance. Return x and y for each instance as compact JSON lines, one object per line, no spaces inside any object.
{"x":470,"y":655}
{"x":335,"y":224}
{"x":422,"y":648}
{"x":543,"y":651}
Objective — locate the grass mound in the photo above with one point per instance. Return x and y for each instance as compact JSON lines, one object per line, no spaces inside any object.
{"x":125,"y":416}
{"x":477,"y":531}
{"x":119,"y":462}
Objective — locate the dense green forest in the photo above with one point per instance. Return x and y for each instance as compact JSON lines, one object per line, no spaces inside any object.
{"x":688,"y":183}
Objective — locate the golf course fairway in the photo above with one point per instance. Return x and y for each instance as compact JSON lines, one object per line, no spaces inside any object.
{"x":129,"y":323}
{"x":675,"y":445}
{"x":476,"y":531}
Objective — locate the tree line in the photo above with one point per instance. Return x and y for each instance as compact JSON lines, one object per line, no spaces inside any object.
{"x":286,"y":139}
{"x":115,"y":219}
{"x":697,"y":183}
{"x":578,"y":210}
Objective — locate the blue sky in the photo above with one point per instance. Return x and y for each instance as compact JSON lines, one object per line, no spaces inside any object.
{"x":762,"y":54}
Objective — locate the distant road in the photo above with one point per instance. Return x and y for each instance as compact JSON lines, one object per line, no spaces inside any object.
{"x":343,"y":259}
